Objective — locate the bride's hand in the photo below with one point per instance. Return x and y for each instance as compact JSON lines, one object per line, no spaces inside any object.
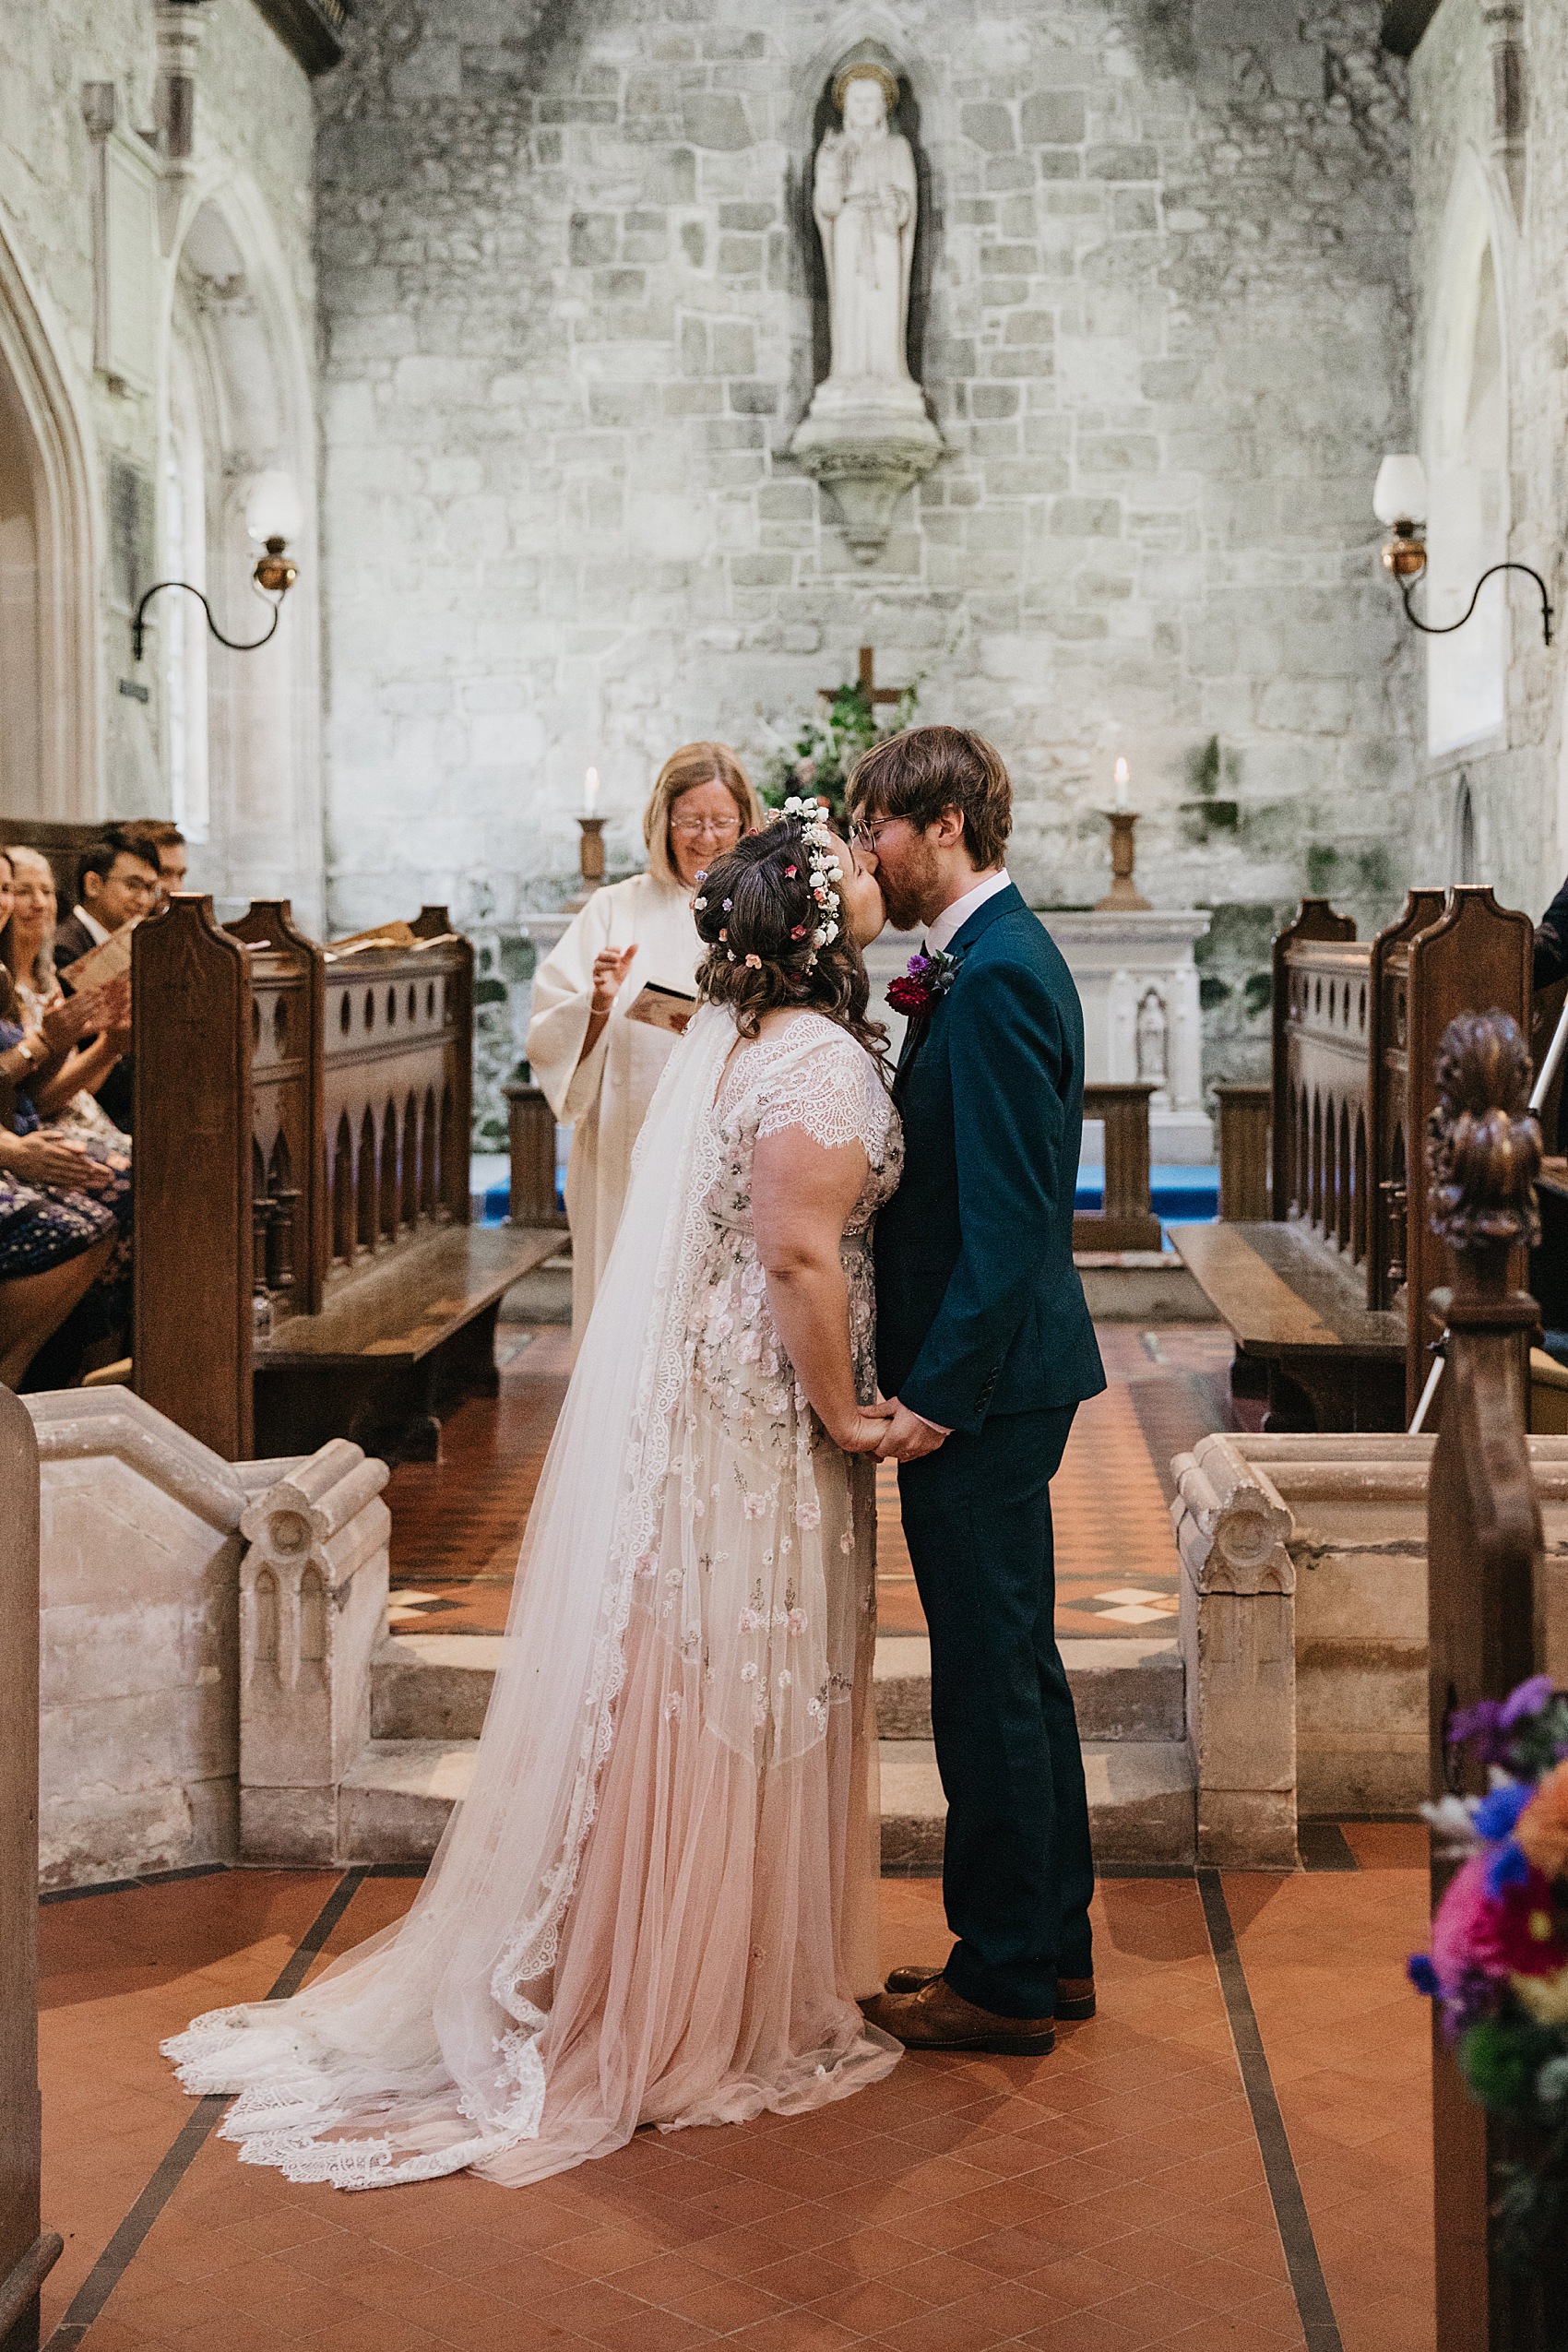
{"x":867,"y":1429}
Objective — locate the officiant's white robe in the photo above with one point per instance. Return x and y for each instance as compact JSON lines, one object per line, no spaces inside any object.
{"x":606,"y":1096}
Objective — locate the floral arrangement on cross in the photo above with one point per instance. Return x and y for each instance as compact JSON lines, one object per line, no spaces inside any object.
{"x":818,"y":757}
{"x":1498,"y":1967}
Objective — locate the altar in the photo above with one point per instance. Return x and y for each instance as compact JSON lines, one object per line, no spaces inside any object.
{"x":1136,"y":976}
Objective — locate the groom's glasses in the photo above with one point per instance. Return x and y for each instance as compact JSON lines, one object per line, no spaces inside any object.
{"x":866,"y":836}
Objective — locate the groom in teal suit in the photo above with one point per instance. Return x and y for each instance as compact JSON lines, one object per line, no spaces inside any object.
{"x":985,"y":1345}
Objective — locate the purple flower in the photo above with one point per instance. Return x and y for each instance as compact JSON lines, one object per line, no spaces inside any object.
{"x":1528,"y":1699}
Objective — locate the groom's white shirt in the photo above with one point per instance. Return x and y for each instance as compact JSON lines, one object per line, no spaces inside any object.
{"x":951,"y":921}
{"x":948,"y":924}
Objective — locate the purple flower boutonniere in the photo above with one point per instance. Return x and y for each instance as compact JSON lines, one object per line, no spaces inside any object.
{"x":921,"y":989}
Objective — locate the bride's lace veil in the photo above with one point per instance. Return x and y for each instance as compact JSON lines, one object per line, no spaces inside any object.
{"x":419,"y":2050}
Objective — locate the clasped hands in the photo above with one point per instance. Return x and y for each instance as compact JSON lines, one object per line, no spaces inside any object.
{"x":891,"y":1432}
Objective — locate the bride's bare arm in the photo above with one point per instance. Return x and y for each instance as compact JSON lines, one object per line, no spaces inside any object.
{"x":803,"y":1192}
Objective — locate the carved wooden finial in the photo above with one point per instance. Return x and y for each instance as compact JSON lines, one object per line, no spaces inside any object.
{"x":1484,"y":1148}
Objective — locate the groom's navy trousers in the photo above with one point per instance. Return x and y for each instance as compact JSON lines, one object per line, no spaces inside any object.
{"x":982,"y":1328}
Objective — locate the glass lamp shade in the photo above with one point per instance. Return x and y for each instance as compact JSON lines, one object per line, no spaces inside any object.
{"x":273,"y":508}
{"x":1399,"y":494}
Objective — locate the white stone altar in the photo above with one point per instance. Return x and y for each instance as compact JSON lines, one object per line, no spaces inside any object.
{"x":1139,"y":985}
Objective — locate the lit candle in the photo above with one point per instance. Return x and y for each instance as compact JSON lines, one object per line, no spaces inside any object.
{"x":590,"y":793}
{"x":1122,"y":783}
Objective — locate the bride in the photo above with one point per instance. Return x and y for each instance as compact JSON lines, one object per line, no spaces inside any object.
{"x":658,"y":1904}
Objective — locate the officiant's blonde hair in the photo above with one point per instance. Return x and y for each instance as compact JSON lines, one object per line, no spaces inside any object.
{"x":693,"y":764}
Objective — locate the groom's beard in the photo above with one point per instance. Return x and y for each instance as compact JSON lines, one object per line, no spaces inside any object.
{"x":911,"y":896}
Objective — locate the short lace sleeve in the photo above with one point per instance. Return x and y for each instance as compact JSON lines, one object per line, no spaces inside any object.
{"x":834,"y":1093}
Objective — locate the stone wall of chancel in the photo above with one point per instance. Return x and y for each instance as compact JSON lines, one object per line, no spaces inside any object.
{"x":566,"y":271}
{"x":1488,"y":88}
{"x":157,"y":353}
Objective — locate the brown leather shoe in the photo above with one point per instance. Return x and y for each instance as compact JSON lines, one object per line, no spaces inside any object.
{"x":938,"y":2018}
{"x":1074,"y":1995}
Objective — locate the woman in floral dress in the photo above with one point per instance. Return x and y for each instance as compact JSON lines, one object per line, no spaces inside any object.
{"x":657,"y":1904}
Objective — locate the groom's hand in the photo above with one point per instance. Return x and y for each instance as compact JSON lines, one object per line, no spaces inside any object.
{"x":908,"y":1437}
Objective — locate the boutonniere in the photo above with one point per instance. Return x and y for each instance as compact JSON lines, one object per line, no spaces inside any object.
{"x":921,"y":989}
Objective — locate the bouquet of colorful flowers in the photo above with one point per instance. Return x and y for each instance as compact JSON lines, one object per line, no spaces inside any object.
{"x":1499,"y":1960}
{"x":825,"y":748}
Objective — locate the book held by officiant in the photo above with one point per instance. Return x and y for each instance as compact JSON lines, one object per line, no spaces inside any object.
{"x":662,"y":1008}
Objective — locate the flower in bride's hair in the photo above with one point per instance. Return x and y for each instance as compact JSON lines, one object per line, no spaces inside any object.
{"x":791,"y":872}
{"x":799,"y":932}
{"x":700,"y":905}
{"x":754,"y":963}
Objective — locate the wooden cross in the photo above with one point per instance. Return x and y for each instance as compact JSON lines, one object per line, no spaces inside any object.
{"x":869,"y":687}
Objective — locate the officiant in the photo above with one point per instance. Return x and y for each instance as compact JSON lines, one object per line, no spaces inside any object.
{"x":597,"y":1067}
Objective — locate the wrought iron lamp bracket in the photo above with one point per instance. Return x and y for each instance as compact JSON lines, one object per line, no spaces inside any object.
{"x":1446,"y":629}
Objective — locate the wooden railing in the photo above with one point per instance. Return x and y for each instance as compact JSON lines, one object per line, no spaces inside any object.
{"x":1484,"y":1565}
{"x":27,"y":2252}
{"x":1125,"y":1219}
{"x":1244,"y":1121}
{"x":1323,"y":1145}
{"x":530,"y":1136}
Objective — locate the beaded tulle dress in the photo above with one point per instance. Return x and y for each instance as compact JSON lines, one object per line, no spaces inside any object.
{"x":658,"y":1904}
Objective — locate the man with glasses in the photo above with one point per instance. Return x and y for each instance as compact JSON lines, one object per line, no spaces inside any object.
{"x":117,"y":882}
{"x":984,"y":1343}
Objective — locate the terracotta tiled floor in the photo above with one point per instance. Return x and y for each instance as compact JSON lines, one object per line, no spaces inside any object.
{"x":1107,"y":2198}
{"x":456,"y":1525}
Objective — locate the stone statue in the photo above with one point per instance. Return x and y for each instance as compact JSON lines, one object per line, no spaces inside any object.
{"x":866,"y":436}
{"x":864,"y":201}
{"x":1151,"y":1041}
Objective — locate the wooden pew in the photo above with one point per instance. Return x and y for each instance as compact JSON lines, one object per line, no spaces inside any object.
{"x":1485,"y":1564}
{"x":1319,"y":1297}
{"x":304,"y":1266}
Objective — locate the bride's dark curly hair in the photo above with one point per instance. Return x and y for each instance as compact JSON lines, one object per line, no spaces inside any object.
{"x":758,"y":903}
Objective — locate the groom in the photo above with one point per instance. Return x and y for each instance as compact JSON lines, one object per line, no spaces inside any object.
{"x":985,"y":1345}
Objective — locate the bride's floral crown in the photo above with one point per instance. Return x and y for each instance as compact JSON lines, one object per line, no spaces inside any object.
{"x":825,"y":873}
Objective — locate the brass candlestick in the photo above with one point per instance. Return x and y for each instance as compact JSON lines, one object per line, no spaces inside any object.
{"x":1121,"y":896}
{"x":590,"y":860}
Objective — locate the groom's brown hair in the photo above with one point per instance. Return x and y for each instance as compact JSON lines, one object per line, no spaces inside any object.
{"x":927,"y":770}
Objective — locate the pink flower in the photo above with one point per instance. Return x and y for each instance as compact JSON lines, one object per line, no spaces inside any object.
{"x":797,"y":1621}
{"x":1497,"y":1936}
{"x":755,"y":1506}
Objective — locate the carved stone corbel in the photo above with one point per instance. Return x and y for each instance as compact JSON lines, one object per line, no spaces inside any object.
{"x":313,"y":1611}
{"x":1239,"y":1646}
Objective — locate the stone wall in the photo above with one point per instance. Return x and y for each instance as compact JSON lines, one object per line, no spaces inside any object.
{"x":568,"y":335}
{"x":1517,"y":774}
{"x":234,"y":232}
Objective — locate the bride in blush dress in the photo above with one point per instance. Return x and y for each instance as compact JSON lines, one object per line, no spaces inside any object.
{"x":658,"y":1903}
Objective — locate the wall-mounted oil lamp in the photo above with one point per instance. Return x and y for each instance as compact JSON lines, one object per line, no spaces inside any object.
{"x":1400,"y":500}
{"x":273,"y":517}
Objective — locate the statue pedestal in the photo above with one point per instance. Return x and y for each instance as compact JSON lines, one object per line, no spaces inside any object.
{"x":1133,"y":968}
{"x":866,"y":443}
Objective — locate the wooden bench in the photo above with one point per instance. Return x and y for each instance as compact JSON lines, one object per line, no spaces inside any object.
{"x":304,"y":1265}
{"x":1324,"y":1359}
{"x":1356,"y":1032}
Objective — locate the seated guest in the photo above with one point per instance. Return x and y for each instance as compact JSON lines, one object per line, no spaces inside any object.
{"x":169,"y":844}
{"x":64,"y":1092}
{"x":1551,"y":942}
{"x":116,"y":884}
{"x":65,"y":1203}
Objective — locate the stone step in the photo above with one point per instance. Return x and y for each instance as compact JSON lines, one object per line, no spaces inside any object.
{"x":436,"y":1686}
{"x":393,"y":1803}
{"x":1143,"y":1804}
{"x":1122,"y":1690}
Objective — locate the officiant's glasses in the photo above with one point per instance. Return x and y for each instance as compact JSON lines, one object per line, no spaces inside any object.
{"x":723,"y":828}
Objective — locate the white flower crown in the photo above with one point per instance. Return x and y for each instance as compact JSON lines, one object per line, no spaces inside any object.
{"x":822,"y":857}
